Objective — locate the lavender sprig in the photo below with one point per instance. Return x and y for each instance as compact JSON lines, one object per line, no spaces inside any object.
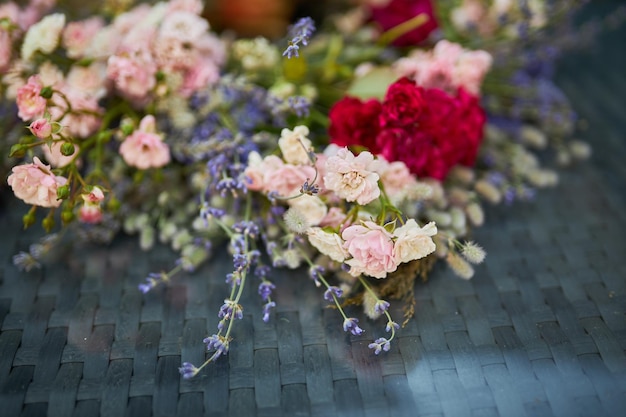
{"x":300,"y":33}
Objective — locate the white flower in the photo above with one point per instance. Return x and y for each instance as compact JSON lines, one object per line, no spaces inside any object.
{"x":295,"y":145}
{"x":255,"y":54}
{"x":311,"y":207}
{"x":353,"y":178}
{"x":329,"y":244}
{"x":414,"y":242}
{"x":43,"y":36}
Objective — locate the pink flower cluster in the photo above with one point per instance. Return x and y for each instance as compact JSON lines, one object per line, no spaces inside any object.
{"x":371,"y":249}
{"x":170,"y":39}
{"x":447,"y":67}
{"x":366,"y":247}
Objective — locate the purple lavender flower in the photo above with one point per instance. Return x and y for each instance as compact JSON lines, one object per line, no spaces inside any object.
{"x":266,"y":310}
{"x":315,"y":272}
{"x":300,"y":32}
{"x":350,"y":324}
{"x":230,"y":309}
{"x":328,"y":294}
{"x":310,"y":189}
{"x":207,"y":211}
{"x":240,"y":261}
{"x":265,"y":289}
{"x":231,"y":185}
{"x":248,"y":228}
{"x":381,"y":306}
{"x":25,"y":261}
{"x":262,"y":271}
{"x":152,"y":280}
{"x":379,"y":345}
{"x":188,"y":370}
{"x":217,"y":343}
{"x":300,"y":105}
{"x":392,"y":325}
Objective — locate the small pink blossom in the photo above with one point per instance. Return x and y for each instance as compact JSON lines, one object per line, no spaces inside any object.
{"x":77,"y":36}
{"x":353,"y":178}
{"x":90,"y":213}
{"x":471,"y":70}
{"x":35,"y":184}
{"x":413,"y":242}
{"x":288,"y":179}
{"x":5,"y":49}
{"x":334,"y":218}
{"x":202,"y":75}
{"x":30,"y":104}
{"x":96,"y":195}
{"x":90,"y":80}
{"x":144,"y":148}
{"x":133,"y":74}
{"x":192,"y":6}
{"x":42,"y":128}
{"x":183,"y":26}
{"x":371,"y":248}
{"x":396,"y":178}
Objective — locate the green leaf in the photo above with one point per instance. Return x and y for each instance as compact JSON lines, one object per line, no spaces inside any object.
{"x":374,"y":84}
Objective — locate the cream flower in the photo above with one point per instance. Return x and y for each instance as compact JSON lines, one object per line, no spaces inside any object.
{"x":43,"y":36}
{"x":294,"y":145}
{"x":329,"y":244}
{"x":413,"y":242}
{"x":353,"y":178}
{"x":311,"y":207}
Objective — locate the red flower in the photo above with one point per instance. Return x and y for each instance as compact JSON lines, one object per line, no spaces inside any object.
{"x":403,"y":104}
{"x":472,"y":119}
{"x":399,"y":11}
{"x":427,"y":129}
{"x":354,"y":122}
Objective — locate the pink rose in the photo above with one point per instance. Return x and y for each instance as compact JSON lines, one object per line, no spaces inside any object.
{"x":288,"y":179}
{"x":78,"y":35}
{"x":353,"y":178}
{"x":89,"y":81}
{"x":42,"y":128}
{"x":144,"y":148}
{"x":471,"y":69}
{"x":203,"y":74}
{"x":371,"y":248}
{"x":396,"y":178}
{"x":334,"y":218}
{"x":29,"y":102}
{"x":133,"y":74}
{"x":35,"y":184}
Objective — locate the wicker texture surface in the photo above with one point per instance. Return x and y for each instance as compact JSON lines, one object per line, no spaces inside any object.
{"x":539,"y":331}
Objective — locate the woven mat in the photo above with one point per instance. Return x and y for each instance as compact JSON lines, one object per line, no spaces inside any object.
{"x":539,"y":331}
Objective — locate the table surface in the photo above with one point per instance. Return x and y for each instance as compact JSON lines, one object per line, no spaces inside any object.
{"x":539,"y":331}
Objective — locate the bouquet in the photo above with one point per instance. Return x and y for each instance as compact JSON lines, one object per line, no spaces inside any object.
{"x":362,"y":152}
